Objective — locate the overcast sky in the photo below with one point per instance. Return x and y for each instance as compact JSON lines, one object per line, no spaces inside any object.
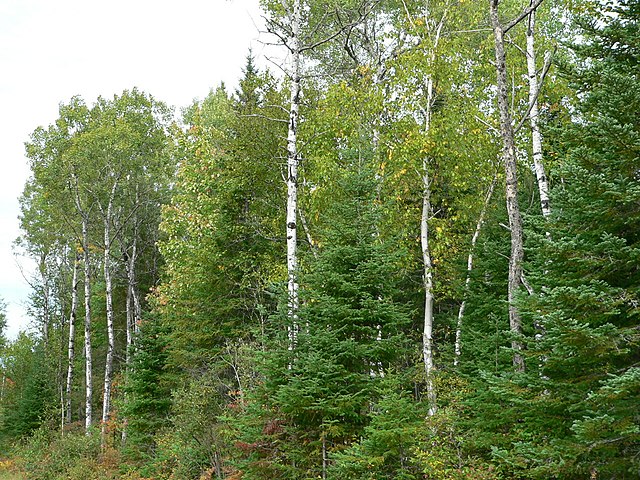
{"x":51,"y":50}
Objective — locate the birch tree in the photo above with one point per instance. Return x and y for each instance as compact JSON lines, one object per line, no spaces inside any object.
{"x":88,"y":352}
{"x":511,"y":175}
{"x":467,"y":281}
{"x":302,"y":26}
{"x":126,"y":139}
{"x":71,"y":349}
{"x":56,"y":163}
{"x":429,"y":24}
{"x":434,"y":32}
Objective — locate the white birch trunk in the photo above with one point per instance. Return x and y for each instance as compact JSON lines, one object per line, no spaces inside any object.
{"x":71,"y":355}
{"x":427,"y":275}
{"x":467,"y":282}
{"x":427,"y":333}
{"x":513,"y":207}
{"x":292,"y":173}
{"x":108,"y":368}
{"x":87,"y":327}
{"x":427,"y":330}
{"x":536,"y":135}
{"x":133,"y":302}
{"x":88,"y":355}
{"x":133,"y":312}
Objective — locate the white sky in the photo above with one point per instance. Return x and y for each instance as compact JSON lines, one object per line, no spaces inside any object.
{"x":51,"y":50}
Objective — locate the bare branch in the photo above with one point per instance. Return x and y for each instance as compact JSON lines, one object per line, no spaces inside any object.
{"x":487,"y":124}
{"x":474,"y":30}
{"x":532,"y":8}
{"x":307,"y":233}
{"x":526,"y":284}
{"x":547,"y":64}
{"x":258,"y":115}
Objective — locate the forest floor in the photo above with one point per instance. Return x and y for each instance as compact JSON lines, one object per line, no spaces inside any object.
{"x":7,"y":471}
{"x":10,"y":476}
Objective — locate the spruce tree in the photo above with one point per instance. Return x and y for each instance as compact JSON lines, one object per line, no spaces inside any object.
{"x":319,"y":392}
{"x":574,"y":413}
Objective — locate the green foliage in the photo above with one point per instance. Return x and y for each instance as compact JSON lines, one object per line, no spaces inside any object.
{"x":28,"y":395}
{"x":569,"y":416}
{"x":348,"y":333}
{"x":224,"y":382}
{"x":146,"y":402}
{"x":195,"y":440}
{"x":49,"y":456}
{"x":219,"y":225}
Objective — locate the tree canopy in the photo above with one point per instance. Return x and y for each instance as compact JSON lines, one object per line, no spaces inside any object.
{"x":414,"y":255}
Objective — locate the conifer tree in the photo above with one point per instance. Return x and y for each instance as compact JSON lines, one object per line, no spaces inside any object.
{"x":351,"y":333}
{"x":574,"y":416}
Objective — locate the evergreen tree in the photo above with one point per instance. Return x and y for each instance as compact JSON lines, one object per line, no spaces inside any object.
{"x":320,"y":391}
{"x":575,"y":415}
{"x":147,"y":401}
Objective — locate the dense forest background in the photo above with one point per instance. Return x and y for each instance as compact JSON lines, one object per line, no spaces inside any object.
{"x":409,"y":252}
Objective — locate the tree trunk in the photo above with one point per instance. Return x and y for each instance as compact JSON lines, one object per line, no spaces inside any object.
{"x":133,"y":309}
{"x":467,"y":282}
{"x":427,"y":338}
{"x":87,"y":325}
{"x":133,"y":301}
{"x":536,"y":136}
{"x":427,"y":330}
{"x":108,"y":368}
{"x":513,"y":208}
{"x":72,"y":335}
{"x":292,"y":172}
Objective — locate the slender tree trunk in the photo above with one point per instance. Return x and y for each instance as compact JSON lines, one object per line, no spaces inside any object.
{"x":467,"y":282}
{"x":427,"y":333}
{"x":536,"y":136}
{"x":72,"y":337}
{"x":87,"y":325}
{"x":133,"y":306}
{"x":435,"y":30}
{"x":133,"y":302}
{"x":292,"y":172}
{"x":108,"y":368}
{"x":513,"y":208}
{"x":325,"y":458}
{"x":88,"y":355}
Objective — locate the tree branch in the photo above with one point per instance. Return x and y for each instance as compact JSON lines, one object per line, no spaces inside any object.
{"x":545,"y":70}
{"x":532,"y":8}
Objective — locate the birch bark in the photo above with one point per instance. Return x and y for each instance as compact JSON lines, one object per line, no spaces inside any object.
{"x":427,"y":331}
{"x":133,"y":300}
{"x":72,"y":335}
{"x":108,"y":369}
{"x":467,"y":282}
{"x":133,"y":305}
{"x":87,"y":326}
{"x":292,"y":172}
{"x":536,"y":135}
{"x":88,"y":412}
